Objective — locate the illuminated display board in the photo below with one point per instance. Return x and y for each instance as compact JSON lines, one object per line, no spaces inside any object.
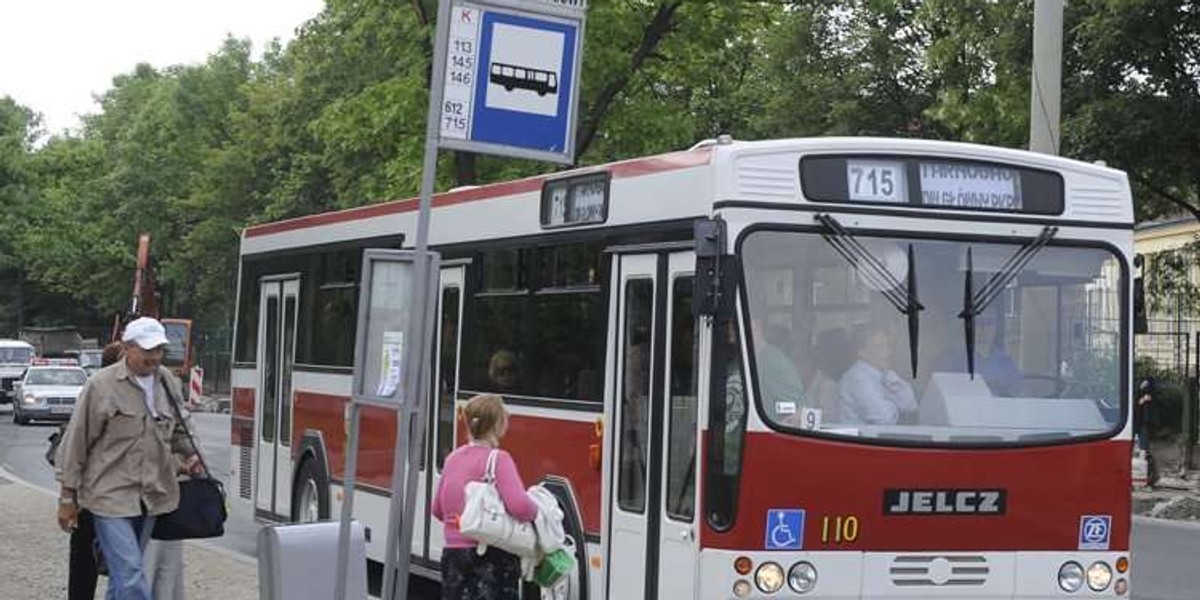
{"x":931,"y":182}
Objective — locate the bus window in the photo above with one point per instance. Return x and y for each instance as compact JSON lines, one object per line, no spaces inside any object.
{"x":726,"y":424}
{"x":681,"y":449}
{"x":635,"y":395}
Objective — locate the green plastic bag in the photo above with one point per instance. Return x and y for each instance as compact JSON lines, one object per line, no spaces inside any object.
{"x":553,"y":568}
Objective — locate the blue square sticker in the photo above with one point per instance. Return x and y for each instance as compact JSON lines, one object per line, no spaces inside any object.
{"x":785,"y":529}
{"x":1094,"y":532}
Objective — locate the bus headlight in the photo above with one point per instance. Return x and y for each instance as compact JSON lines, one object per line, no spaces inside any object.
{"x":769,"y":577}
{"x":802,"y":577}
{"x":1070,"y":577}
{"x":1099,"y":575}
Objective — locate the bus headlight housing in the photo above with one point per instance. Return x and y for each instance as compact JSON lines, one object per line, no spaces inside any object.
{"x":802,"y":577}
{"x":1099,"y":575}
{"x":1070,"y":577}
{"x":769,"y":577}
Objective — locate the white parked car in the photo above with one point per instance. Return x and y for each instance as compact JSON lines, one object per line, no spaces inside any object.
{"x":48,"y":393}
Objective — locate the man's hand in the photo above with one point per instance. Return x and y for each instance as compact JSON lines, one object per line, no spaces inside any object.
{"x":68,"y":516}
{"x":192,"y":466}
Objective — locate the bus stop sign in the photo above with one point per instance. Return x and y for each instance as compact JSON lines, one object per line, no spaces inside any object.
{"x":511,"y":78}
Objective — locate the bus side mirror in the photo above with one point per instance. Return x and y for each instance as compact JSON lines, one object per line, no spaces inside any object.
{"x":1140,"y":323}
{"x":716,"y":271}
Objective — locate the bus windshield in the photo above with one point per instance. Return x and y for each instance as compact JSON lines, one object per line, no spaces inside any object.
{"x":1007,"y":341}
{"x":16,"y":356}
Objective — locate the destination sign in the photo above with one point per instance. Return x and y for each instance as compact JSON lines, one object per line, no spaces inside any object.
{"x":928,"y":182}
{"x":965,"y":185}
{"x":576,"y":201}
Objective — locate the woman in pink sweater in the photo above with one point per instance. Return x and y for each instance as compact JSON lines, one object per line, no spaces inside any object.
{"x":496,"y":574}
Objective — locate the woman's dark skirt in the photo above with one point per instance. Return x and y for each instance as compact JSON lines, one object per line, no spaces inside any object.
{"x":468,"y":576}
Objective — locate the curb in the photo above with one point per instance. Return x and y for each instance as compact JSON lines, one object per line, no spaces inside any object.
{"x":1192,"y":525}
{"x":242,"y":558}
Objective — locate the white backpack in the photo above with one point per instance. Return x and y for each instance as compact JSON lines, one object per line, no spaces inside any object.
{"x":485,"y":520}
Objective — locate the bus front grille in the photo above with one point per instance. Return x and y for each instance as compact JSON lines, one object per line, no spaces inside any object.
{"x":938,"y":571}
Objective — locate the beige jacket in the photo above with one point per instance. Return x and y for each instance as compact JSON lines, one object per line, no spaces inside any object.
{"x":115,"y":455}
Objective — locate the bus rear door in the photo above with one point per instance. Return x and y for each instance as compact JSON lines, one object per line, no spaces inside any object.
{"x":278,"y":306}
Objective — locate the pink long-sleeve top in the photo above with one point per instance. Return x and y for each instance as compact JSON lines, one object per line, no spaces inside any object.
{"x":469,"y":463}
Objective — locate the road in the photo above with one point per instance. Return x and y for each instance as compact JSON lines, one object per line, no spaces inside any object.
{"x":1163,"y":552}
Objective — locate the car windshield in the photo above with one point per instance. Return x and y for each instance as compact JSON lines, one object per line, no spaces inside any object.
{"x":89,"y":359}
{"x":997,"y":350}
{"x":71,"y":376}
{"x":16,"y":356}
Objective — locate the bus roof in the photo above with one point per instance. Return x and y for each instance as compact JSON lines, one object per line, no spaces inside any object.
{"x":15,"y":344}
{"x":686,"y":184}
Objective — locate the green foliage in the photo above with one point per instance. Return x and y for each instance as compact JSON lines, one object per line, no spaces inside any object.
{"x":336,"y":118}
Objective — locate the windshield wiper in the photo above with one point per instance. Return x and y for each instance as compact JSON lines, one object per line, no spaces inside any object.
{"x":880,"y":278}
{"x":975,"y":302}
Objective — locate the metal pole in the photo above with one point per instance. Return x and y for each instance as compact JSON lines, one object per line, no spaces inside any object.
{"x":1046,"y":86}
{"x":343,"y":558}
{"x":400,"y":529}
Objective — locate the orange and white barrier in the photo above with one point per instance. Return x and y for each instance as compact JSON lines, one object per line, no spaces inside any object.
{"x":195,"y":386}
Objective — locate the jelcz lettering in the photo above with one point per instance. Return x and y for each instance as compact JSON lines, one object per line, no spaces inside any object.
{"x":944,"y":502}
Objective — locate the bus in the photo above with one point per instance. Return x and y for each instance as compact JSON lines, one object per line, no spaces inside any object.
{"x":831,"y":367}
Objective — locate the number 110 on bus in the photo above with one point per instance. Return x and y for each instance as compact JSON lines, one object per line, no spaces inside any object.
{"x":839,"y":529}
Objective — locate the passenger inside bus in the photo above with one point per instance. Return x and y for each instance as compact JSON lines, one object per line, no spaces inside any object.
{"x":782,"y":391}
{"x":502,"y":370}
{"x":834,"y":355}
{"x":992,"y":361}
{"x":872,"y":391}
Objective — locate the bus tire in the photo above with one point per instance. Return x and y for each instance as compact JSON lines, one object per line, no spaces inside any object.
{"x":310,"y":495}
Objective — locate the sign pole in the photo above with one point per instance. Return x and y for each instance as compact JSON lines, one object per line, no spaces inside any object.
{"x":410,"y":421}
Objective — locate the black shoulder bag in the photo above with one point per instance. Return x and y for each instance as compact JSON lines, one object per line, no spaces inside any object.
{"x":201,"y":512}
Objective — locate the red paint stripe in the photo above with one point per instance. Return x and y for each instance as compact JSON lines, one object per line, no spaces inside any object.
{"x":1048,"y":489}
{"x":540,"y":446}
{"x":619,"y":170}
{"x":243,"y":402}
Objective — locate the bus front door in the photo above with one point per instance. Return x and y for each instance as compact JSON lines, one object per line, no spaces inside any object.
{"x":278,"y":306}
{"x":652,"y":548}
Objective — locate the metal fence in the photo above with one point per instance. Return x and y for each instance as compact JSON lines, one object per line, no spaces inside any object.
{"x":1170,"y":353}
{"x":212,"y":351}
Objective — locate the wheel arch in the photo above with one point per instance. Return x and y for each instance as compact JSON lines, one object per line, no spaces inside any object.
{"x":311,"y":448}
{"x":572,"y":523}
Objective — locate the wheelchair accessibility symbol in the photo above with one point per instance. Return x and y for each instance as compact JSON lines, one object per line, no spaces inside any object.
{"x":785,"y":529}
{"x":1094,"y":532}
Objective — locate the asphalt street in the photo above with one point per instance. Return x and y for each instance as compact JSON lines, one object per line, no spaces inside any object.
{"x":1163,"y":552}
{"x":23,"y":453}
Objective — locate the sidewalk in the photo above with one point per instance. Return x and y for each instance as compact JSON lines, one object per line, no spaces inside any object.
{"x":34,"y":554}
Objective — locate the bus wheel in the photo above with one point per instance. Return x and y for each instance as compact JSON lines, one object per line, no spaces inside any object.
{"x":310,"y":501}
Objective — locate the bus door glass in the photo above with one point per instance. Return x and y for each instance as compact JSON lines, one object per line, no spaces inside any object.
{"x":678,"y":545}
{"x":440,"y":442}
{"x":653,"y":439}
{"x":276,"y":358}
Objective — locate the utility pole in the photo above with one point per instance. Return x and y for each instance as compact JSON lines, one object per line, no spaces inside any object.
{"x":1046,"y":89}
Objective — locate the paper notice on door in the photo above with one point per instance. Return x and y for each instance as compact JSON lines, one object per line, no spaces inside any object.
{"x":392,"y":356}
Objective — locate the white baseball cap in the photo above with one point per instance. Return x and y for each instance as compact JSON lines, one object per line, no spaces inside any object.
{"x":145,"y":332}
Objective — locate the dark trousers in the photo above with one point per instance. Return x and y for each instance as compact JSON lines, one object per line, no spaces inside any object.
{"x":81,"y":580}
{"x":468,"y":576}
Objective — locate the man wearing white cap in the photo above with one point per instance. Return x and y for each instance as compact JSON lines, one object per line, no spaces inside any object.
{"x":121,"y":452}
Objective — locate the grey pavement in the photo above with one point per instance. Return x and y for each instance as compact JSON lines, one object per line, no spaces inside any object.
{"x":34,"y":553}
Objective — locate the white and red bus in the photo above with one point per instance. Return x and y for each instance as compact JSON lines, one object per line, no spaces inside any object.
{"x":831,"y":368}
